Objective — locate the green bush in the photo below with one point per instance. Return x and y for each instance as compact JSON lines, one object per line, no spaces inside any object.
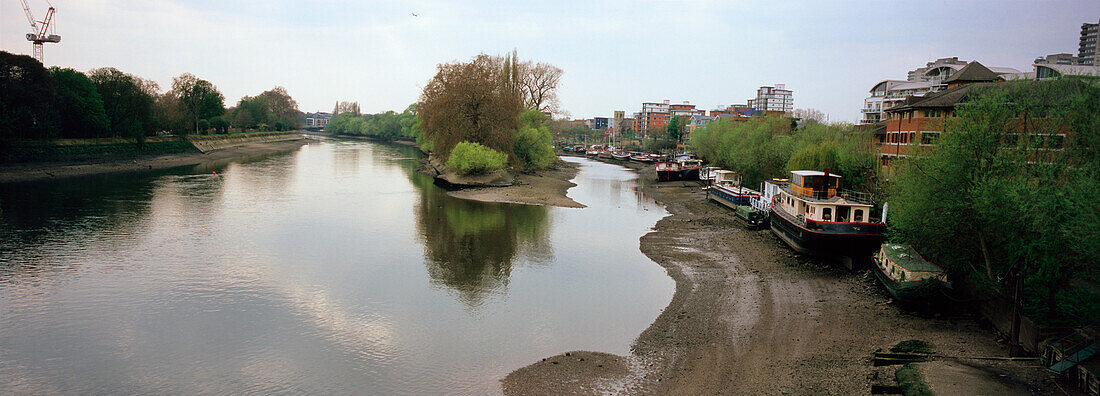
{"x":474,"y":159}
{"x":534,"y":146}
{"x":911,"y":382}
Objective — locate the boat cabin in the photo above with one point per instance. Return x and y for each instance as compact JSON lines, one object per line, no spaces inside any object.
{"x":903,"y":264}
{"x":724,"y":177}
{"x":690,"y":163}
{"x":812,"y":195}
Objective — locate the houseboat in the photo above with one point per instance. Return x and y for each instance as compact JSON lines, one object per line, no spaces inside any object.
{"x":907,"y":275}
{"x":727,"y":189}
{"x":809,"y":215}
{"x":689,"y":168}
{"x":667,"y":170}
{"x":706,"y":174}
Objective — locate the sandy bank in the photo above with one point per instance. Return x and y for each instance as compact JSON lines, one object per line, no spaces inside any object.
{"x":547,"y":187}
{"x":57,"y":170}
{"x":749,"y":316}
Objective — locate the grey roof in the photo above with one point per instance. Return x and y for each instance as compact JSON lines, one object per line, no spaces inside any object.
{"x":1073,"y":70}
{"x":812,"y":173}
{"x":946,"y":98}
{"x":973,"y":72}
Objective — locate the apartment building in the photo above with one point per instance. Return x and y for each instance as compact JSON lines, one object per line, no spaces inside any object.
{"x":1057,"y":59}
{"x":654,"y":117}
{"x":316,"y":121}
{"x":773,"y":98}
{"x":887,"y":94}
{"x":1086,"y":51}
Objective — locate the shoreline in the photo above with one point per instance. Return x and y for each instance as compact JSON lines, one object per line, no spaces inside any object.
{"x":547,"y":187}
{"x":30,"y":172}
{"x":750,"y":316}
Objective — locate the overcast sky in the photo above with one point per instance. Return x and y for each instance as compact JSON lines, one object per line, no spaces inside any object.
{"x":615,"y":54}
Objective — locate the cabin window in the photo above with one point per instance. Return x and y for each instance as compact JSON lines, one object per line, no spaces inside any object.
{"x":858,"y":215}
{"x":827,"y":214}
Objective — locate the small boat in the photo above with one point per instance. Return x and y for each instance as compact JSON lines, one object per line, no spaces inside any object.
{"x":667,"y":171}
{"x":811,"y":216}
{"x":727,"y":190}
{"x":908,"y":276}
{"x":620,"y":156}
{"x":604,"y":154}
{"x":641,"y":158}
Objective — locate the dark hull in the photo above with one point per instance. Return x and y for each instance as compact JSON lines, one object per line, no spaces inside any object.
{"x":728,"y":198}
{"x":668,"y":175}
{"x":689,"y":174}
{"x":917,"y":292}
{"x":829,"y":240}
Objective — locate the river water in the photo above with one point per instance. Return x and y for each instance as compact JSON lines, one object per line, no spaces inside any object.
{"x":335,"y":268}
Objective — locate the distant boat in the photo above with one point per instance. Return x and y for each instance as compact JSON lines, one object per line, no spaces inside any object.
{"x":810,"y":216}
{"x":620,"y":156}
{"x":689,"y":168}
{"x":907,"y":275}
{"x":642,"y":157}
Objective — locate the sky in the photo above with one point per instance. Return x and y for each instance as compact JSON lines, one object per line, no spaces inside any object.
{"x":614,"y":54}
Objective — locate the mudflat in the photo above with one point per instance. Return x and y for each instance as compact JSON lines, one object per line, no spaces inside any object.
{"x":547,"y":187}
{"x":750,"y":316}
{"x":24,"y":172}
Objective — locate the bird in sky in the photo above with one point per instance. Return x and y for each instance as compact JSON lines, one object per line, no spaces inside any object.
{"x":414,"y":14}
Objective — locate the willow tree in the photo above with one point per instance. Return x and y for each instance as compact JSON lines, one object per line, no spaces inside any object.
{"x":1011,"y":188}
{"x":468,"y":101}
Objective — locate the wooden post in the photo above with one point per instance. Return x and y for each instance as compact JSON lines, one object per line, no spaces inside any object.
{"x":1017,"y":285}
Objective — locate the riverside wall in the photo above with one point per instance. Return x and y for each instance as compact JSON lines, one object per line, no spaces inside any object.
{"x":208,"y":143}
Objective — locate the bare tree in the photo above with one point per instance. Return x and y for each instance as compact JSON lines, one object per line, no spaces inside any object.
{"x":540,"y":84}
{"x":346,"y":107}
{"x":809,"y":115}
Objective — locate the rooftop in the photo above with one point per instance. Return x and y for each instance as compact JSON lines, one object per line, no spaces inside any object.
{"x":905,"y":256}
{"x":805,"y":173}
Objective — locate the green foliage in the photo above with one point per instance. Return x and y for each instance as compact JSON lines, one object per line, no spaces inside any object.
{"x":202,"y":126}
{"x":471,"y":102}
{"x":534,"y":146}
{"x":128,"y":107}
{"x":908,"y":346}
{"x":911,"y":382}
{"x":387,"y":126}
{"x":219,"y":124}
{"x":675,"y":128}
{"x":79,"y":105}
{"x":997,"y":196}
{"x":474,"y":159}
{"x":198,"y":99}
{"x":765,"y":148}
{"x":26,"y":98}
{"x":92,"y":151}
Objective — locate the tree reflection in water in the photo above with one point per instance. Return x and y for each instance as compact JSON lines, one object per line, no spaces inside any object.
{"x":471,"y":247}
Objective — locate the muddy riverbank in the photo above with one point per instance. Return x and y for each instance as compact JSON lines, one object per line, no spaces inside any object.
{"x":546,"y":187}
{"x":25,"y":172}
{"x":750,"y":316}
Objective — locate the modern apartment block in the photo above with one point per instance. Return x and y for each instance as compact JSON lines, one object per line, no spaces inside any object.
{"x":316,"y":121}
{"x":1057,"y":59}
{"x":654,"y":117}
{"x":777,"y":98}
{"x":887,"y":94}
{"x":1086,"y":51}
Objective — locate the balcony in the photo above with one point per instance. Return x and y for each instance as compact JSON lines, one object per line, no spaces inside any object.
{"x":870,"y":110}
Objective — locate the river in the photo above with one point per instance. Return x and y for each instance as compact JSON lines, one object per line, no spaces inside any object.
{"x":333,"y":269}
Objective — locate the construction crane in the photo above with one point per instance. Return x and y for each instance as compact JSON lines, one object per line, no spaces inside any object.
{"x":41,"y":31}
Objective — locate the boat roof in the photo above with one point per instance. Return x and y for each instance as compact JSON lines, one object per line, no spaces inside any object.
{"x":905,"y":256}
{"x":722,"y":171}
{"x":812,"y":173}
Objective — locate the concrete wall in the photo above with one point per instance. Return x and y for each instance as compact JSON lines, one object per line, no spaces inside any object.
{"x":208,"y":143}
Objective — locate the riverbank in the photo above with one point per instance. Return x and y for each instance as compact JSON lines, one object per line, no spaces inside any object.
{"x":750,"y":316}
{"x":547,"y":187}
{"x":26,"y":172}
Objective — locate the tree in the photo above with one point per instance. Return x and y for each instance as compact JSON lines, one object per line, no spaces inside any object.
{"x":220,"y":124}
{"x":168,"y":114}
{"x":79,"y":105}
{"x":27,"y":94}
{"x":466,"y":101}
{"x":1011,"y":187}
{"x":814,"y":115}
{"x":281,"y":106}
{"x":198,"y":98}
{"x":346,"y":107}
{"x":540,"y":85}
{"x":534,"y":146}
{"x":675,"y":128}
{"x":251,"y":111}
{"x":129,"y":108}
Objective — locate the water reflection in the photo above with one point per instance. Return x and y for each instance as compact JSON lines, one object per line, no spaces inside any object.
{"x":471,"y":247}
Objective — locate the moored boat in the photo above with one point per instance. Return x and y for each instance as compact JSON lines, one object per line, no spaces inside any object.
{"x":809,"y":215}
{"x":727,"y":189}
{"x":908,"y":276}
{"x":667,"y":171}
{"x":689,"y":168}
{"x":641,"y":157}
{"x":621,"y":156}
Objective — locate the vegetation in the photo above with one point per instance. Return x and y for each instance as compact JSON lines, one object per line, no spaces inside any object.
{"x":387,"y":125}
{"x":1011,"y":188}
{"x":911,"y":382}
{"x":675,"y":128}
{"x":494,"y":102}
{"x":534,"y":146}
{"x":474,"y":159}
{"x":765,"y":148}
{"x":39,"y":104}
